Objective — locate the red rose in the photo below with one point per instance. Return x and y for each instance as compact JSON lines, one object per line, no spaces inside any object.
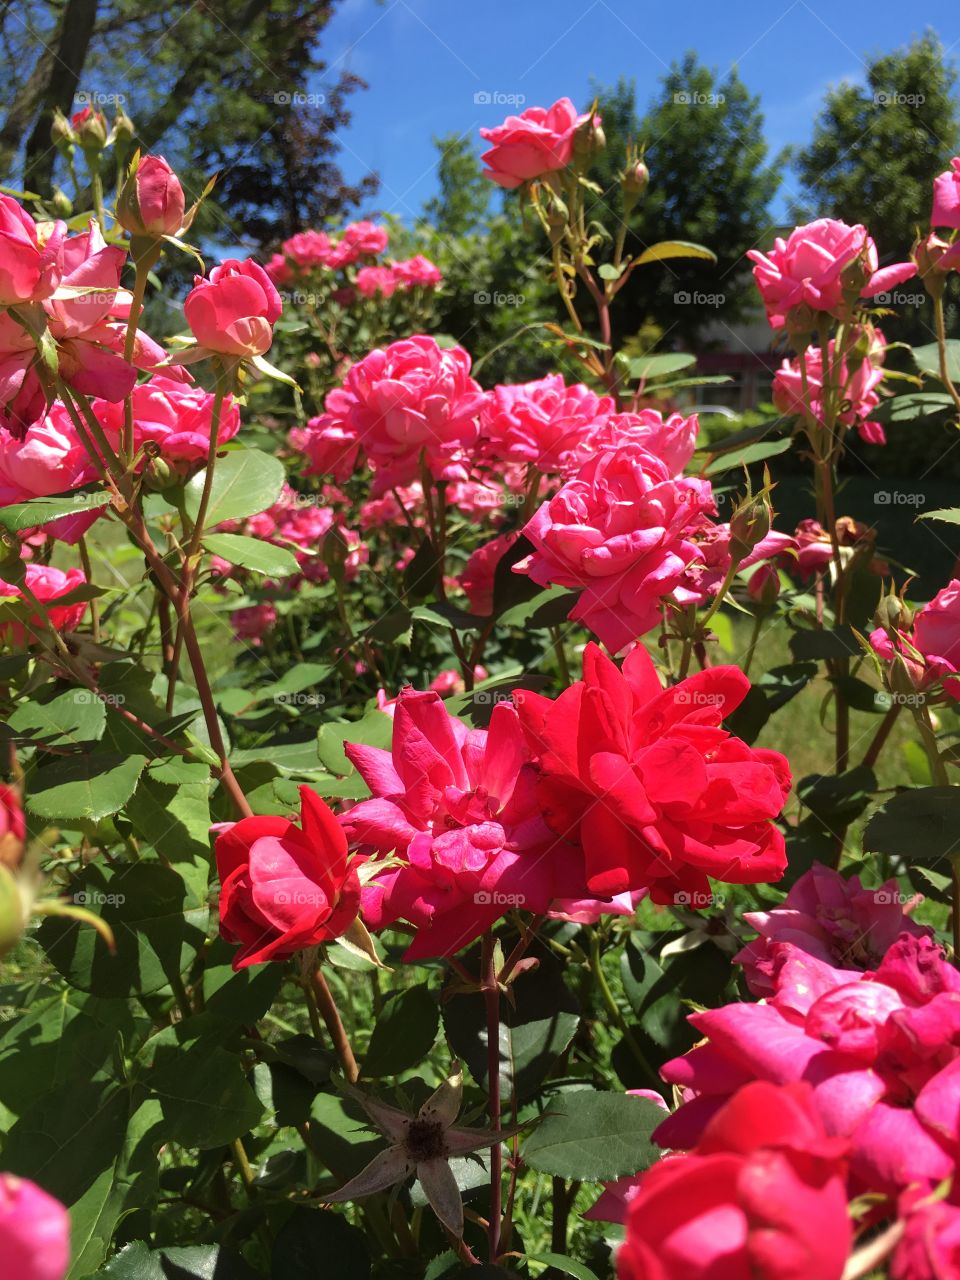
{"x":285,"y":887}
{"x":659,"y":795}
{"x":762,"y":1198}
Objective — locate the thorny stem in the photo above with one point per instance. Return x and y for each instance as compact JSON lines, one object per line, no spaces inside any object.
{"x":942,"y":347}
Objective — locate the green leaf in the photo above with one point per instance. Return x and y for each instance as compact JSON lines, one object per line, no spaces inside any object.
{"x":317,"y":1241}
{"x":91,"y":786}
{"x":200,"y":1262}
{"x":815,"y":645}
{"x":666,"y":249}
{"x":658,"y":364}
{"x":175,"y":817}
{"x":768,"y":693}
{"x":404,"y":1032}
{"x":374,"y":730}
{"x":159,"y":923}
{"x":560,"y":1262}
{"x":420,"y":575}
{"x":204,"y":1095}
{"x":748,"y":454}
{"x":252,"y":553}
{"x":949,"y":515}
{"x":548,"y":608}
{"x":592,"y":1136}
{"x":922,"y":824}
{"x":245,"y":482}
{"x":67,"y":719}
{"x":837,"y":799}
{"x":928,"y":358}
{"x":607,"y":271}
{"x":40,"y":511}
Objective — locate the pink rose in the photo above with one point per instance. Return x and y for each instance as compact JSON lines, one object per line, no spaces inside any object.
{"x":410,"y":399}
{"x":930,"y":1248}
{"x":252,"y":622}
{"x":173,"y":416}
{"x":30,"y":263}
{"x":307,"y":250}
{"x":543,"y":422}
{"x":620,"y":533}
{"x":672,"y":440}
{"x":532,"y":144}
{"x":34,"y":1232}
{"x":328,"y":442}
{"x":935,"y":635}
{"x":371,"y":281}
{"x":151,"y":202}
{"x":458,"y":808}
{"x":365,"y":237}
{"x":234,"y":311}
{"x":858,"y":380}
{"x":48,"y":584}
{"x":946,"y":197}
{"x":823,"y":266}
{"x":417,"y":271}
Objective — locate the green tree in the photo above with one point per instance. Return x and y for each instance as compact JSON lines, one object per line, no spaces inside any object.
{"x":877,"y":147}
{"x":710,"y":181}
{"x":239,"y":88}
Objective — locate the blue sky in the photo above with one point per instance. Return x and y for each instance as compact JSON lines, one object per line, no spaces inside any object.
{"x":425,"y":60}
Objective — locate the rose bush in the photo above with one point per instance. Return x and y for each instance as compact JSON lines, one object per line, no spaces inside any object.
{"x":448,"y":822}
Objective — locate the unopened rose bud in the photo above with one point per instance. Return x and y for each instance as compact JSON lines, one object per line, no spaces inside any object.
{"x":61,"y":203}
{"x":61,"y":132}
{"x":764,"y":585}
{"x":934,"y":257}
{"x":160,"y":475}
{"x":904,"y":676}
{"x":91,"y":129}
{"x":892,"y":614}
{"x":635,"y":179}
{"x":123,"y":128}
{"x":151,"y":203}
{"x":12,"y":828}
{"x":588,"y":140}
{"x":749,"y":525}
{"x":335,"y":552}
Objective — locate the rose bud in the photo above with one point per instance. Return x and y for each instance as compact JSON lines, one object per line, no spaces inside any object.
{"x":151,"y":202}
{"x":91,"y":129}
{"x":34,"y":1232}
{"x":764,"y":585}
{"x":61,"y":132}
{"x":234,"y":311}
{"x":12,"y":828}
{"x":635,"y":179}
{"x":285,"y":888}
{"x":749,"y":525}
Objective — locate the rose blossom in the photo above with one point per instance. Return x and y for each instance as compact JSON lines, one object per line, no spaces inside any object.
{"x":329,"y":441}
{"x":371,"y":281}
{"x":659,"y":795}
{"x":234,"y":311}
{"x":307,"y":249}
{"x":284,"y":887}
{"x":946,"y":197}
{"x":417,"y":271}
{"x":13,"y":827}
{"x":411,"y":398}
{"x":824,"y":266}
{"x":830,"y":917}
{"x":30,"y":255}
{"x":527,"y":146}
{"x":544,"y":422}
{"x":365,"y":237}
{"x":930,"y":1247}
{"x":762,"y":1198}
{"x":671,"y":439}
{"x":34,"y":1232}
{"x":174,"y":417}
{"x":934,"y":636}
{"x":703,"y":577}
{"x":458,"y":807}
{"x":620,"y":532}
{"x":858,"y":382}
{"x":48,"y":584}
{"x":881,"y":1050}
{"x":252,"y":621}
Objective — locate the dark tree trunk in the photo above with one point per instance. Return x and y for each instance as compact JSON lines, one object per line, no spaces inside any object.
{"x":73,"y":42}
